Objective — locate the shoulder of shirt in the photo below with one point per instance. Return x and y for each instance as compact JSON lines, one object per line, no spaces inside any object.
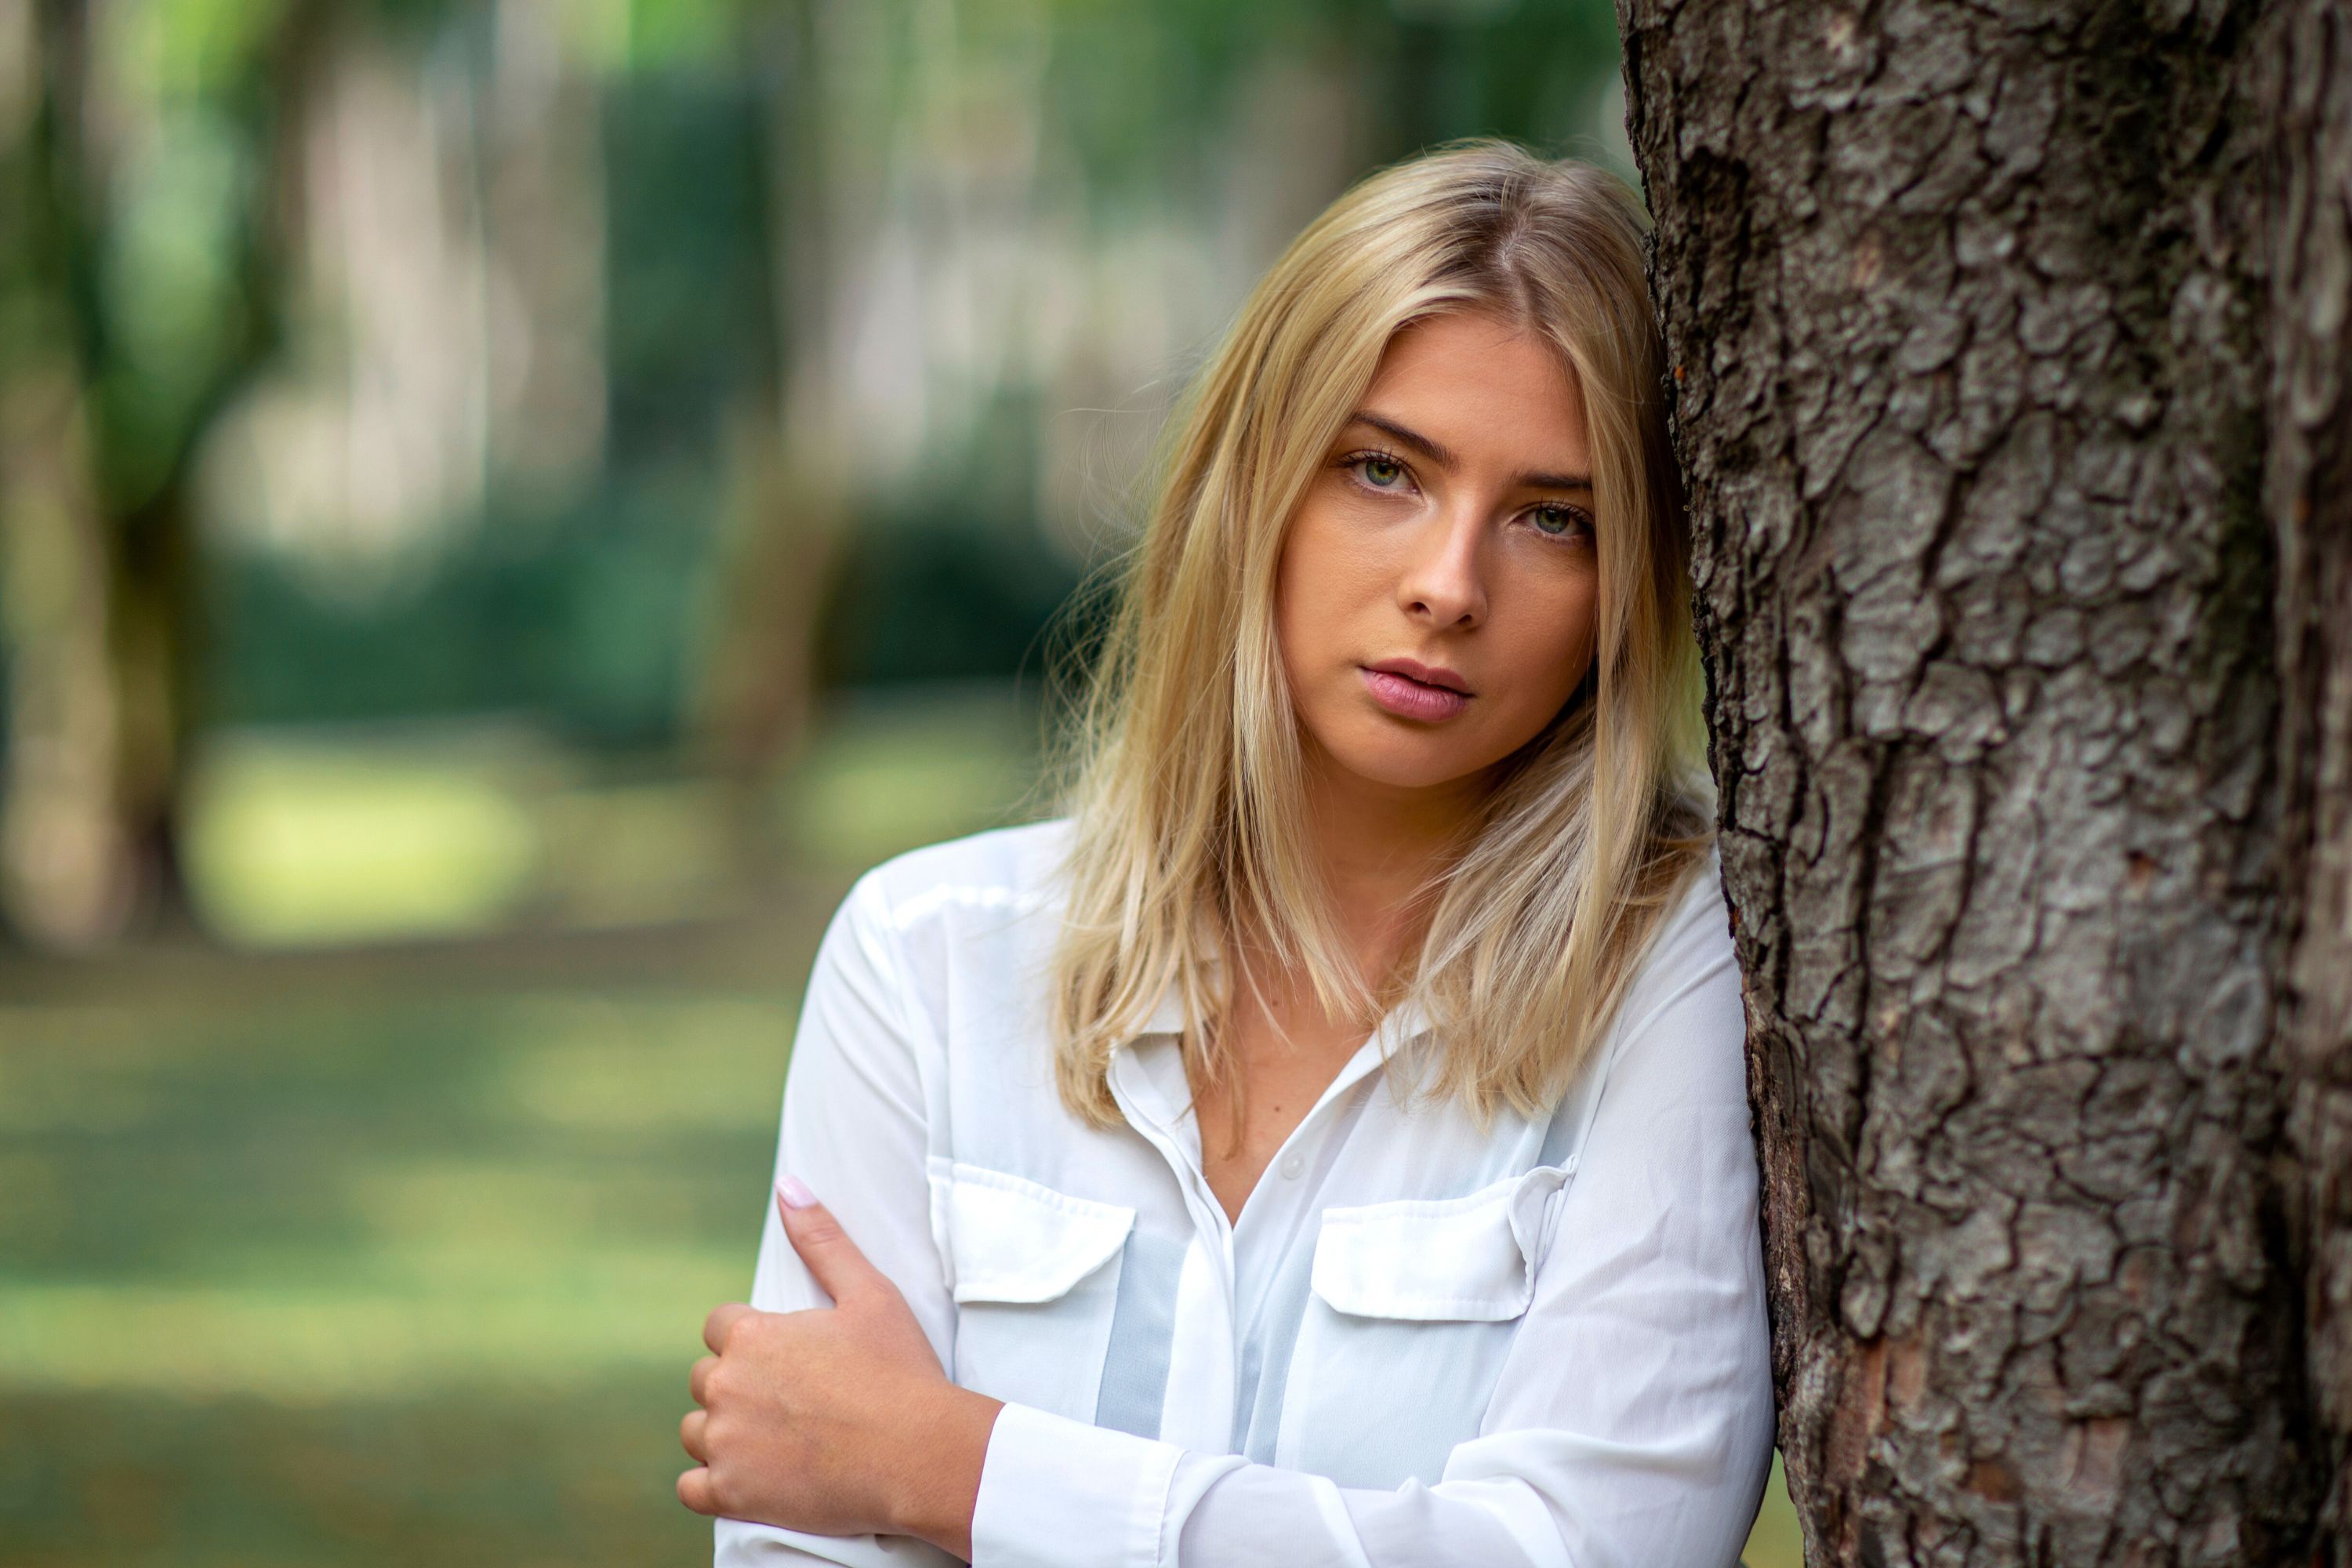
{"x":1700,"y":922}
{"x":1691,"y":946}
{"x":1007,"y":868}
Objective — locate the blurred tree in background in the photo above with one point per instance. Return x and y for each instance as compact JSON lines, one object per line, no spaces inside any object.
{"x":144,"y":182}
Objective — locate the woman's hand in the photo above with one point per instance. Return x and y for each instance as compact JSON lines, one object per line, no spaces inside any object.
{"x":837,"y":1420}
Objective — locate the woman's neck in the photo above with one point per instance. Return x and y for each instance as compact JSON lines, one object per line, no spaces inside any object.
{"x":1380,"y":846}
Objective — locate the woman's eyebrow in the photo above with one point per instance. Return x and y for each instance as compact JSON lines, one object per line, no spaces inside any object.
{"x":1443,"y":456}
{"x":1435,"y":452}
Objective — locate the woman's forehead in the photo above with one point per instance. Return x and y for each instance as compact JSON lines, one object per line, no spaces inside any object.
{"x":1485,"y":388}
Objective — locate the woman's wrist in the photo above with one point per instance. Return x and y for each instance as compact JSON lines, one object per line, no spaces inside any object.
{"x":947,"y":1447}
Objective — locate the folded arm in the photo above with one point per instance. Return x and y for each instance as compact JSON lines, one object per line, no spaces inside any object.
{"x":854,"y":1131}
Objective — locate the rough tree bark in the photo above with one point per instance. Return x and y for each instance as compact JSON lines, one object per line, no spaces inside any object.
{"x":2308,"y":85}
{"x":2010,"y":352}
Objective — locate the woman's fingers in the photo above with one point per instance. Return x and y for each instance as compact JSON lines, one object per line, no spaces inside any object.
{"x":721,"y":1323}
{"x":823,"y":1246}
{"x":797,"y":1411}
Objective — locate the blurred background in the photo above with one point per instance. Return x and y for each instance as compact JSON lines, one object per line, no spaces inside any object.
{"x":505,"y":508}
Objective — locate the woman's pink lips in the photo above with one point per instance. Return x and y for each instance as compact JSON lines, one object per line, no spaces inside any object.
{"x":1408,"y":699}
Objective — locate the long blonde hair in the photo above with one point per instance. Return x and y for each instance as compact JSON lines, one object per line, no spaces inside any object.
{"x":1190,"y":832}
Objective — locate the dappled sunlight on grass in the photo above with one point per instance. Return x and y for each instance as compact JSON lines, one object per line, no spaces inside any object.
{"x":305,"y":1343}
{"x":308,"y":838}
{"x":491,"y":1475}
{"x":294,"y":840}
{"x":587,"y":1070}
{"x":239,"y":1219}
{"x":898,"y":770}
{"x":643,"y":850}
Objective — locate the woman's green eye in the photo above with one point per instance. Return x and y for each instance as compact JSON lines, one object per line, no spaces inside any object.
{"x":1556,"y":519}
{"x":1383,"y":472}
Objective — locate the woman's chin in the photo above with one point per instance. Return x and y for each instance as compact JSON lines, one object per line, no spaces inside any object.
{"x":1427,"y":757}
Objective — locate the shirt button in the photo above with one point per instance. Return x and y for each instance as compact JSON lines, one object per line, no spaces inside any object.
{"x":1294,"y":1168}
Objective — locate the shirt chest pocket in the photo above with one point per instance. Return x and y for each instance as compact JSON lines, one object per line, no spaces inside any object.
{"x":1035,"y":1277}
{"x":1412,"y":1310}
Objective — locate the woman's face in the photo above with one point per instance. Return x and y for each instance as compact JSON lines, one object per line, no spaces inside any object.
{"x":1437,"y":592}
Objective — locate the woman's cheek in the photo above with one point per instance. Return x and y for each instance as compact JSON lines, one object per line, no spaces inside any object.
{"x":1544,"y":660}
{"x":1312,"y":617}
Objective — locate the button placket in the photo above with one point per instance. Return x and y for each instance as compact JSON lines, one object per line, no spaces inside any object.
{"x":1197,"y":1411}
{"x":1200,"y":1202}
{"x":1298,"y":1150}
{"x":1207,"y":1327}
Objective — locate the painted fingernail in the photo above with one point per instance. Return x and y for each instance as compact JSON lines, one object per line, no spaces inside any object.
{"x":795,"y":1192}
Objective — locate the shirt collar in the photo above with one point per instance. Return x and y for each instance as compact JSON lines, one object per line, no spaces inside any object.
{"x":1402,"y":1024}
{"x":1150,"y":1069}
{"x":1167,"y":1013}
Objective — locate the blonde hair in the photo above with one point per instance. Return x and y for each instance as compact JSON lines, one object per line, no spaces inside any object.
{"x":1189,"y":831}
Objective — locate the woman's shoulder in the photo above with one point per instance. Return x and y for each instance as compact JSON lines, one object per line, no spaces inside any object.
{"x":1696,"y":931}
{"x":1691,"y":952}
{"x":951,"y":926}
{"x":1005,"y":870}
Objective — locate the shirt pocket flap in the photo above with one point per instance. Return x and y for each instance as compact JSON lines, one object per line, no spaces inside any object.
{"x":1006,"y":1239}
{"x":1459,"y":1261}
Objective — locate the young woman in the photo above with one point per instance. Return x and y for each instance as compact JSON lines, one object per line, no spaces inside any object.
{"x":1329,"y":1144}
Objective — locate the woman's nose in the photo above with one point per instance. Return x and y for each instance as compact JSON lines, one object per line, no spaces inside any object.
{"x":1444,"y":581}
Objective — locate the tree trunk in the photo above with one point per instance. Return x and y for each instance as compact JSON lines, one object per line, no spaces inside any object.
{"x":67,"y":854}
{"x":101,"y":622}
{"x":2308,"y":495}
{"x":789,"y":513}
{"x":2009,"y":344}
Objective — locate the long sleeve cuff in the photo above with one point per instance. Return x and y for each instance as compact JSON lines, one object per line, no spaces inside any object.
{"x":742,"y":1544}
{"x":1057,"y":1493}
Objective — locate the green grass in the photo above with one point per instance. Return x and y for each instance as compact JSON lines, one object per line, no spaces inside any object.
{"x":368,"y":1279}
{"x":306,"y":839}
{"x":293,"y":840}
{"x":1776,"y":1541}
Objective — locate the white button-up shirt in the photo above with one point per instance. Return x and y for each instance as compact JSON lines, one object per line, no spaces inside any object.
{"x":1422,"y":1342}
